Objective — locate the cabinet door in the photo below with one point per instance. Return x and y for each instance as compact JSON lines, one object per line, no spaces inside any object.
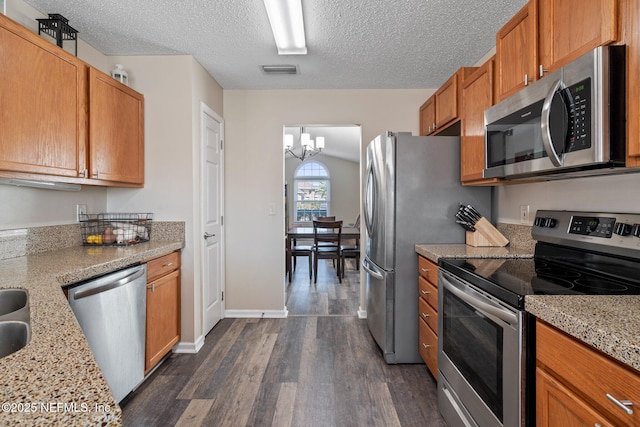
{"x":629,"y":18}
{"x":517,"y":51}
{"x":557,"y":406}
{"x":447,"y":101}
{"x":428,"y":116}
{"x":570,"y":28}
{"x":477,"y":96}
{"x":42,"y":105}
{"x":163,"y":317}
{"x":116,"y":138}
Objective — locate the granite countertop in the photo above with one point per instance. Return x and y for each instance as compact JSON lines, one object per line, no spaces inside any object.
{"x":609,"y":323}
{"x":55,"y":379}
{"x":461,"y":250}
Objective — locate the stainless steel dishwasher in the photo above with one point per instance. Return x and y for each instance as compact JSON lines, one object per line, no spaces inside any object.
{"x":111,"y":312}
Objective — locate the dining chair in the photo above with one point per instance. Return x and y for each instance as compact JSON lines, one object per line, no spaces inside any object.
{"x":326,"y":218}
{"x":327,"y":239}
{"x":351,"y":248}
{"x":293,"y":252}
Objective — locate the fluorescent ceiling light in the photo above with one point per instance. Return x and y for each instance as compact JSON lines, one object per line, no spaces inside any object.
{"x":287,"y":25}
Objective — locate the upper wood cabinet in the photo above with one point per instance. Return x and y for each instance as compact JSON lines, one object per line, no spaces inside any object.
{"x":61,"y":120}
{"x":442,"y":109}
{"x":428,"y":116}
{"x":629,"y":18}
{"x":116,"y":137}
{"x":42,"y":105}
{"x":547,"y":34}
{"x":477,"y":96}
{"x":570,"y":28}
{"x":517,"y":51}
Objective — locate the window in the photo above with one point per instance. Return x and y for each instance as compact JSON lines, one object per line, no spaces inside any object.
{"x":311,"y":189}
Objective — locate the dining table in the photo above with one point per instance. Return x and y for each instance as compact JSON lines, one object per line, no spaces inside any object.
{"x":296,"y":232}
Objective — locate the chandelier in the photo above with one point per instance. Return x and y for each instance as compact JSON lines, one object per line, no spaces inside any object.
{"x":308,"y":148}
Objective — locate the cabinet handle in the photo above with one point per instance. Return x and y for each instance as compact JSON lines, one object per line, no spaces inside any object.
{"x":434,"y":126}
{"x":95,"y":175}
{"x":526,"y":79}
{"x":207,"y":235}
{"x":542,"y":70}
{"x":426,"y":346}
{"x":153,"y":287}
{"x":83,"y":173}
{"x":425,"y":292}
{"x":429,"y":131}
{"x":622,"y":404}
{"x":597,"y":425}
{"x":426,"y":270}
{"x":425,"y":315}
{"x":169,"y":264}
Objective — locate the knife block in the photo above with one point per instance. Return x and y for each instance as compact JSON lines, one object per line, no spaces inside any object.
{"x":485,"y":235}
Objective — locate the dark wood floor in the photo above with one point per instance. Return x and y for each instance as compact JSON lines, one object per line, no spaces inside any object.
{"x":318,"y":367}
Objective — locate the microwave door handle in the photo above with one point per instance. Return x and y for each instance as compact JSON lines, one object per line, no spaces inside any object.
{"x":547,"y":143}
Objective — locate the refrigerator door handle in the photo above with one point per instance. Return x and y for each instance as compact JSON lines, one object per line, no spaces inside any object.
{"x":370,"y":268}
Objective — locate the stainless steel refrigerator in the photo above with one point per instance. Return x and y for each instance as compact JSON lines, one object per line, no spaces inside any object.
{"x":411,"y":196}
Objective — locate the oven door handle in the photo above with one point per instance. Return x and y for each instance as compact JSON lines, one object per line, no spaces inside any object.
{"x":477,"y":300}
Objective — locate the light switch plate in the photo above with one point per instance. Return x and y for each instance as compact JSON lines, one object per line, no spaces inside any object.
{"x":524,"y":214}
{"x":80,"y":209}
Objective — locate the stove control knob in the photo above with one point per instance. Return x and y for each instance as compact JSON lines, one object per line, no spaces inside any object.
{"x":635,"y":230}
{"x":538,"y":222}
{"x":622,"y":229}
{"x":550,"y":222}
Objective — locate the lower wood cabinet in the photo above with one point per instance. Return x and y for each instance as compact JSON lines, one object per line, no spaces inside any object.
{"x":577,"y":385}
{"x":163,"y":308}
{"x":428,"y":313}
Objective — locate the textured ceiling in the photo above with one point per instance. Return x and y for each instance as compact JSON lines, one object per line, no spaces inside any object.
{"x":352,"y":44}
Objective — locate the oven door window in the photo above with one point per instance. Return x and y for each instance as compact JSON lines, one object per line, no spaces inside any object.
{"x":474,"y":343}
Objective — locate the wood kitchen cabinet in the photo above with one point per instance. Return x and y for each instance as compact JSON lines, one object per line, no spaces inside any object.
{"x":547,"y":34}
{"x":163,"y":308}
{"x":442,"y":109}
{"x":517,"y":51}
{"x":428,"y":313}
{"x":477,"y":96}
{"x":43,"y":105}
{"x":573,"y":380}
{"x":428,"y":116}
{"x":116,"y":123}
{"x":570,"y":28}
{"x":629,"y":23}
{"x":62,"y":120}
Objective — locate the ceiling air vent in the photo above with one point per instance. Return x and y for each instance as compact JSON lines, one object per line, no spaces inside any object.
{"x":279,"y":69}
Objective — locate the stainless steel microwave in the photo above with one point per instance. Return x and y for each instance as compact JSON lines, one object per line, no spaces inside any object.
{"x":569,"y":123}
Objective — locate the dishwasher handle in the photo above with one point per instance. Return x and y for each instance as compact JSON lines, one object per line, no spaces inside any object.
{"x":109,"y":286}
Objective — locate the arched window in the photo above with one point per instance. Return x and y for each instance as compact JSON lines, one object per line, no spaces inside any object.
{"x":312,"y":191}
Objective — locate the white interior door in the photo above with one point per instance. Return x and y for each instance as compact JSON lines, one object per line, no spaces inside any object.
{"x":212,"y":177}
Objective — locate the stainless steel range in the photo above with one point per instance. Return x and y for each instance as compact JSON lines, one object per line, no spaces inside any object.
{"x":485,"y":357}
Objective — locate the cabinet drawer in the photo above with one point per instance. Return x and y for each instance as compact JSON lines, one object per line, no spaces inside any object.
{"x":590,"y":373}
{"x":428,"y":314}
{"x":429,"y":348}
{"x":160,"y":266}
{"x":428,"y":270}
{"x":428,"y":292}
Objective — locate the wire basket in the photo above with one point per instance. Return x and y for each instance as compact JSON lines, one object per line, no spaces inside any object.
{"x":115,"y":229}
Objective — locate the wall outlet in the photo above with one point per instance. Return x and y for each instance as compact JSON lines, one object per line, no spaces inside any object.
{"x":524,"y":214}
{"x":80,"y":209}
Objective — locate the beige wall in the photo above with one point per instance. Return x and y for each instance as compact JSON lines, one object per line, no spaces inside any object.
{"x":255,"y":167}
{"x":173,"y":87}
{"x":344,"y":187}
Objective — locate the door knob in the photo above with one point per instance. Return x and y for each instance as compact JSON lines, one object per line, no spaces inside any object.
{"x":207,"y":235}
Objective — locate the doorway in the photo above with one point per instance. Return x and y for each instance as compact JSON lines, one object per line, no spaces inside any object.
{"x":326,"y":183}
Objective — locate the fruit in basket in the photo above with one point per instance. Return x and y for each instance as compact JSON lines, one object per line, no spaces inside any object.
{"x":94,"y":239}
{"x":109,"y":236}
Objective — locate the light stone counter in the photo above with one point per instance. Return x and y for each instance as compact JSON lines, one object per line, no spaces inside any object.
{"x":460,"y":250}
{"x":55,"y":380}
{"x":608,"y":323}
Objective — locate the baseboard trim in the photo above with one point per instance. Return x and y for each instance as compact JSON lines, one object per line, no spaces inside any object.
{"x":270,"y":314}
{"x":189,"y":347}
{"x":362,"y":314}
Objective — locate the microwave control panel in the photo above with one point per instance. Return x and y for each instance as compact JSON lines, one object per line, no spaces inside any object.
{"x":578,"y":103}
